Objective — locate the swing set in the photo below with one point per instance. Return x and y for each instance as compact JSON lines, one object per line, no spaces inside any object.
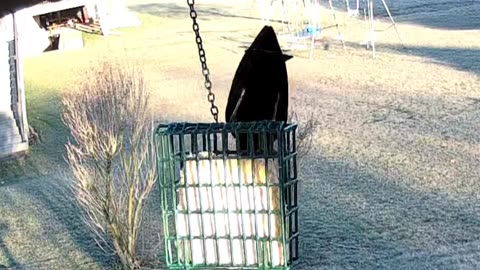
{"x":222,"y":207}
{"x":311,"y":29}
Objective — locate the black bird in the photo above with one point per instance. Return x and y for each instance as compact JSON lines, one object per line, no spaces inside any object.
{"x":260,"y":87}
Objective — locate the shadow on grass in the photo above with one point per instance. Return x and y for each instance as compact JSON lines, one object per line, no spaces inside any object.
{"x":47,"y":158}
{"x":4,"y":251}
{"x":57,"y":199}
{"x":44,"y":115}
{"x":170,"y":10}
{"x":437,"y":14}
{"x":50,"y":230}
{"x":440,"y":14}
{"x":444,"y":14}
{"x":464,"y":59}
{"x":353,"y":219}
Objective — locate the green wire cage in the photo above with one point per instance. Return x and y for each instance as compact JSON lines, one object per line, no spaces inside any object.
{"x":226,"y":205}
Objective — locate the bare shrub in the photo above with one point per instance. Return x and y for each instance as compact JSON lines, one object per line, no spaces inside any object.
{"x":305,"y":133}
{"x":111,"y":153}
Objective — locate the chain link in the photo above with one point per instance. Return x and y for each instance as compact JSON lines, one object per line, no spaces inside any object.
{"x":203,"y":60}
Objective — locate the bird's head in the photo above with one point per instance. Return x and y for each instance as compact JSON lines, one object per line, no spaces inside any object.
{"x":267,"y":42}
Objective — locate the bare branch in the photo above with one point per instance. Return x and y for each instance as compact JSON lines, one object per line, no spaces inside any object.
{"x":111,"y":154}
{"x":305,"y":133}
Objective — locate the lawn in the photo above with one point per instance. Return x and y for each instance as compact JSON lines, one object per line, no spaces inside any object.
{"x":392,"y":181}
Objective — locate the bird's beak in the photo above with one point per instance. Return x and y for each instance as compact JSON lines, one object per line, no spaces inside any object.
{"x":287,"y":57}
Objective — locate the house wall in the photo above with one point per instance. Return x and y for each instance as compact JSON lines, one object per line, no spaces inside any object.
{"x":13,"y":134}
{"x":35,"y":40}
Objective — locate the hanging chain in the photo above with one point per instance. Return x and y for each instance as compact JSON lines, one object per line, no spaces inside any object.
{"x":203,"y":60}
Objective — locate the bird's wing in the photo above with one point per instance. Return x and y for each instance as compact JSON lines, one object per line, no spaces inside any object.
{"x":233,"y":116}
{"x":275,"y":108}
{"x":281,"y":105}
{"x":238,"y":89}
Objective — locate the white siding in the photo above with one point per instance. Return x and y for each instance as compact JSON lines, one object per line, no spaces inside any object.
{"x":10,"y":140}
{"x":5,"y":93}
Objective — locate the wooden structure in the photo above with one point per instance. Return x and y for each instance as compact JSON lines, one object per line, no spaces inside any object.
{"x":13,"y":116}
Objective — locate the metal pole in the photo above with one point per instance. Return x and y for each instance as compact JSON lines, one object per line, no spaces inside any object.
{"x":365,"y":13}
{"x":393,"y":23}
{"x":336,"y":23}
{"x":314,"y":25}
{"x":312,"y":44}
{"x":285,"y":17}
{"x":372,"y":26}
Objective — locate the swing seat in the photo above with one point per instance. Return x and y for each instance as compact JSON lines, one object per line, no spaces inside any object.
{"x":226,"y":208}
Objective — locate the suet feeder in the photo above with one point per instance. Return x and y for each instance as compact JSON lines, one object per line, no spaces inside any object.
{"x":226,"y":206}
{"x":229,"y":190}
